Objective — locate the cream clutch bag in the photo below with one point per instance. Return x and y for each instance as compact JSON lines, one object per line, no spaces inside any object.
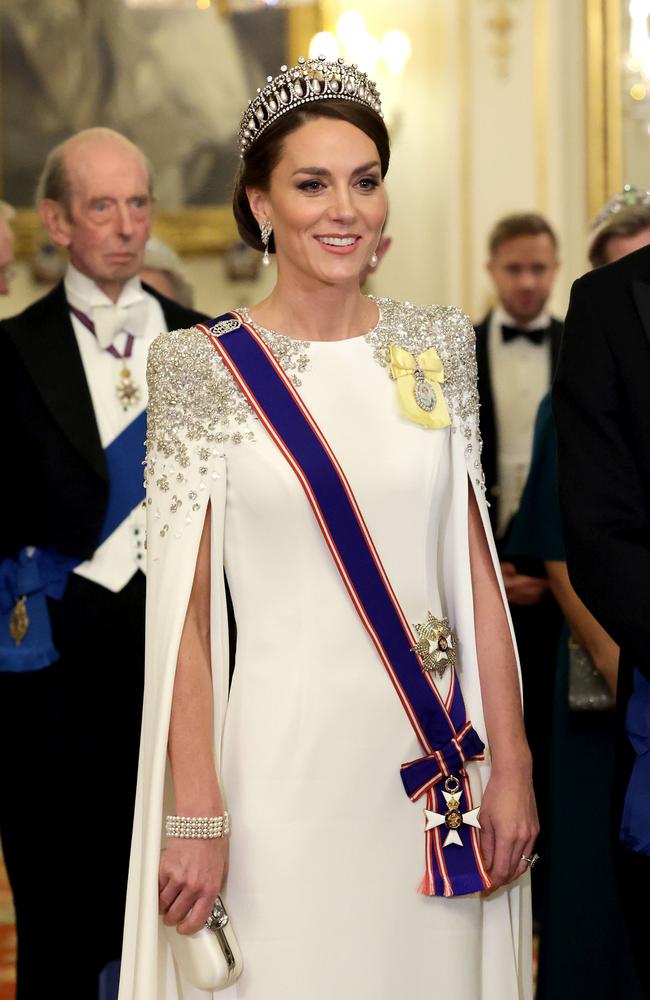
{"x":210,"y":959}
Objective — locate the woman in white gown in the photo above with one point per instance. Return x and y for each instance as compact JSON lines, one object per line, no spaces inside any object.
{"x":326,"y":853}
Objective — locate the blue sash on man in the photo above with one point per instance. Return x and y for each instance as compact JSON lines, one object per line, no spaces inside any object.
{"x":445,"y":735}
{"x":27,"y":581}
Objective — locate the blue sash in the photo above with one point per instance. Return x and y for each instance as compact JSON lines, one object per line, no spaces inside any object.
{"x":41,"y":573}
{"x":635,"y":824}
{"x":447,"y":738}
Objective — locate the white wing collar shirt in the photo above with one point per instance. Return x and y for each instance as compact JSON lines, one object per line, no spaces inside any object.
{"x":139,"y":314}
{"x":520,"y":372}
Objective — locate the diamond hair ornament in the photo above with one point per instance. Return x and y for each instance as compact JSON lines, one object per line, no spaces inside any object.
{"x":309,"y":80}
{"x":629,"y":197}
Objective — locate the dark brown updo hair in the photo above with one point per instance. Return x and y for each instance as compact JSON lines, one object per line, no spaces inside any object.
{"x":261,"y":159}
{"x":628,"y":222}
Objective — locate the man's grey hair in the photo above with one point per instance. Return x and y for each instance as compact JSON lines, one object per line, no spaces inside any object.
{"x":54,"y":181}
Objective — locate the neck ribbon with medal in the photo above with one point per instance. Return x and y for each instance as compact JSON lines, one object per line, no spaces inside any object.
{"x":127,"y":389}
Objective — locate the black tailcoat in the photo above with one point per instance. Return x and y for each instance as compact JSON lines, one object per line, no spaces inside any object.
{"x":51,"y":436}
{"x":488,"y":423}
{"x":69,"y":733}
{"x":601,"y":402}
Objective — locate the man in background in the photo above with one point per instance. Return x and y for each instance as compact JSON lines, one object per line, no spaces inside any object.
{"x":600,"y":402}
{"x":517,"y":346}
{"x":6,"y":247}
{"x":72,"y":406}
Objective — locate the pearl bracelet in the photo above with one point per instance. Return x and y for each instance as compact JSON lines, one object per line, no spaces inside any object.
{"x":198,"y":827}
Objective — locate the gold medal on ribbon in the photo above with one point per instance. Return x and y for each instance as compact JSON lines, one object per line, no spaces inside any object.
{"x":19,"y":621}
{"x":128,"y":392}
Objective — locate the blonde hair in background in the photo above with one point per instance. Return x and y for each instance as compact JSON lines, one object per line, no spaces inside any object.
{"x":7,"y":213}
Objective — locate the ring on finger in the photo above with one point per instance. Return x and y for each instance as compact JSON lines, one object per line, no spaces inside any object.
{"x":532,"y":861}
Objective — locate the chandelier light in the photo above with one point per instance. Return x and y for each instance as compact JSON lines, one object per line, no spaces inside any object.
{"x":637,"y":63}
{"x":382,"y":59}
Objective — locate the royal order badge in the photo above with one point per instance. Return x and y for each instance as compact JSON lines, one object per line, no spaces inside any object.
{"x":128,"y":392}
{"x":453,"y":819}
{"x":436,"y":645}
{"x":19,"y":621}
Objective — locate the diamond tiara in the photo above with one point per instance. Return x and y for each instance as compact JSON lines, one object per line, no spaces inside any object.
{"x":629,"y":197}
{"x":309,"y":80}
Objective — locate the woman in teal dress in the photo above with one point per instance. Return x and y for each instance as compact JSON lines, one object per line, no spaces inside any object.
{"x":583,"y":945}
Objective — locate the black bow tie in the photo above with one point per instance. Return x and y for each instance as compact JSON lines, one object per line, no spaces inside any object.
{"x":512,"y":332}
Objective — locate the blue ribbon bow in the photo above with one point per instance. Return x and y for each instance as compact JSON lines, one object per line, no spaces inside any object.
{"x":37,"y":575}
{"x":418,"y":776}
{"x":40,"y":573}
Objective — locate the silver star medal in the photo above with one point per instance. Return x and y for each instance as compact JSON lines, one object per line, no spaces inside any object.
{"x":453,"y":819}
{"x":436,"y":645}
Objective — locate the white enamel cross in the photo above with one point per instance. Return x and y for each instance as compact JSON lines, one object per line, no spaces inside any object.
{"x":453,"y":818}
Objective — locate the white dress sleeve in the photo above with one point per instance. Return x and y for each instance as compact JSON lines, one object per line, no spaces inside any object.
{"x":457,"y":348}
{"x":192,"y":400}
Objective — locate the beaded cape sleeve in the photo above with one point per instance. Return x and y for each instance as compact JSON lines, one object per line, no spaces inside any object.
{"x":447,"y":328}
{"x":193,"y":415}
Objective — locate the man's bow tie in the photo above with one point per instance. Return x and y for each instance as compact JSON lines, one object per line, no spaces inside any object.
{"x":512,"y":332}
{"x":110,"y":320}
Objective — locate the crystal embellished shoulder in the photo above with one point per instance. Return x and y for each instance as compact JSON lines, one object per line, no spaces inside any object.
{"x":416,"y":328}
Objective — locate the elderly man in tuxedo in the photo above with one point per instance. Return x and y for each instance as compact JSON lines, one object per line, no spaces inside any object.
{"x":600,"y":401}
{"x":72,"y":402}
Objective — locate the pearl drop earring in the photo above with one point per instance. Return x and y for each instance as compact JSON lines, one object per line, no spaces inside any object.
{"x":266,"y":228}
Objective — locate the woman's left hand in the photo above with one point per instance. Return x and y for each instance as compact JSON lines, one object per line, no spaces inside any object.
{"x":509,"y":824}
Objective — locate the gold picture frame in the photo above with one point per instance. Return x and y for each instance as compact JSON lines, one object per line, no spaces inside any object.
{"x":194,"y":229}
{"x":604,"y":105}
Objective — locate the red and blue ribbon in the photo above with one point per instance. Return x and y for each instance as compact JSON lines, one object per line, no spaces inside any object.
{"x":443,"y":731}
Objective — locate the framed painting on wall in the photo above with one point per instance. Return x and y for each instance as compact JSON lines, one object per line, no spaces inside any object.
{"x":172,"y":75}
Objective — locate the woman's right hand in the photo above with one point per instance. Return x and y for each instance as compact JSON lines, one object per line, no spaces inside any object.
{"x":605,"y":655}
{"x":190,"y":877}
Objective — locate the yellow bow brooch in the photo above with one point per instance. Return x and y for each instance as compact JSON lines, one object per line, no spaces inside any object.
{"x":418,"y":386}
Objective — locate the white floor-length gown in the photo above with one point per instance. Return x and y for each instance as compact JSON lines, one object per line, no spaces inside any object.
{"x":327,"y":851}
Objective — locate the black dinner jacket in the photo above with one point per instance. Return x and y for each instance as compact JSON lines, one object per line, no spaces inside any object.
{"x":601,"y":401}
{"x":55,"y":485}
{"x":487,"y":417}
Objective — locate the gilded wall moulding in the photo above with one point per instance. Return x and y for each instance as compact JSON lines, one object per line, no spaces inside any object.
{"x":501,"y":24}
